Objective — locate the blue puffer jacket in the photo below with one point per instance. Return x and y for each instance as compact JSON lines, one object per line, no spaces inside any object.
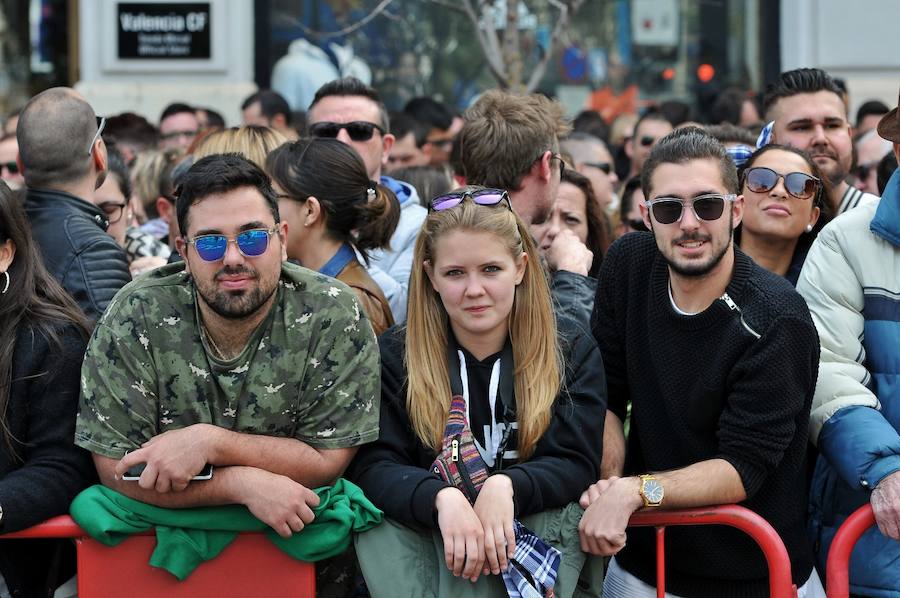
{"x":851,"y":281}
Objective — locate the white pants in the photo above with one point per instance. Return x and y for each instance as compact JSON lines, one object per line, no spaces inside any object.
{"x":619,"y":583}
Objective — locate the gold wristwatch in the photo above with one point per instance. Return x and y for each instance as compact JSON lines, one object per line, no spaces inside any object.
{"x":652,"y":492}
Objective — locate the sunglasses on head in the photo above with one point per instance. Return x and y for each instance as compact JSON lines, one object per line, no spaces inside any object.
{"x":668,"y":210}
{"x":760,"y":179}
{"x":251,"y":243}
{"x":12,"y":167}
{"x":483,"y":197}
{"x":358,"y":130}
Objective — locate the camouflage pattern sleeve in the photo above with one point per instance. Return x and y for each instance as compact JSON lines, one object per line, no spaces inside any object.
{"x":342,"y":385}
{"x":118,"y":407}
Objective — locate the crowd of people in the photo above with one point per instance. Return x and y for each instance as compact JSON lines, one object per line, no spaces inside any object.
{"x":509,"y":330}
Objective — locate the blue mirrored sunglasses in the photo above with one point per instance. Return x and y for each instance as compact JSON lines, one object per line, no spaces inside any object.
{"x":251,"y":243}
{"x":483,"y":197}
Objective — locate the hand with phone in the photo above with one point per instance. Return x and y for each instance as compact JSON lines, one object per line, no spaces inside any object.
{"x":172,"y":459}
{"x":134,"y":473}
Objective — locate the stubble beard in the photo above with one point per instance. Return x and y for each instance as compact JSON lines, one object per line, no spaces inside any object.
{"x":701,"y":270}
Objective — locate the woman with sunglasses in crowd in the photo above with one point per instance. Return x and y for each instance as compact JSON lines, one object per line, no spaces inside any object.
{"x":42,"y":340}
{"x":334,"y":213}
{"x":785,"y":206}
{"x":491,"y":410}
{"x":576,"y":209}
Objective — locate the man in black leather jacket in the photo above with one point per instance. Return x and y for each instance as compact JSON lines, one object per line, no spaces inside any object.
{"x":64,"y":160}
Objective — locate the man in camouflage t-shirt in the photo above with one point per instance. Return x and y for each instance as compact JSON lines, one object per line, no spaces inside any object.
{"x":235,"y":358}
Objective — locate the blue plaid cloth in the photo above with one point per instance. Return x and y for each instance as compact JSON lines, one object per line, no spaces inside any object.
{"x":740,"y":154}
{"x":765,"y":136}
{"x":532,"y":571}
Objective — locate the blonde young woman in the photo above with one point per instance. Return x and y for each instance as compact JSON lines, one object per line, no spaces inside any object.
{"x":480,"y":325}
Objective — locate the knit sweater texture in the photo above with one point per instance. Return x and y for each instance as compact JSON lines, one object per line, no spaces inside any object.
{"x":734,"y":382}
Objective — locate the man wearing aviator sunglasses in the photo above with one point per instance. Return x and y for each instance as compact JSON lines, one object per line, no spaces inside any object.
{"x":352,"y":112}
{"x":234,"y":358}
{"x":717,"y":358}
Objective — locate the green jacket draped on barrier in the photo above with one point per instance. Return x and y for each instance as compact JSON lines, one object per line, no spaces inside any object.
{"x":187,"y":537}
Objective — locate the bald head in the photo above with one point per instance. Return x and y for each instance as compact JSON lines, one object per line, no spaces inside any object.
{"x":54,"y":134}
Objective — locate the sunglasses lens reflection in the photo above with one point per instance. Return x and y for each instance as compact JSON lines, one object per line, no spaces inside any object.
{"x":799,"y":185}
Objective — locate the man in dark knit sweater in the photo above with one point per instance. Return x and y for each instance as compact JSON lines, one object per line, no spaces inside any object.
{"x":718,"y":359}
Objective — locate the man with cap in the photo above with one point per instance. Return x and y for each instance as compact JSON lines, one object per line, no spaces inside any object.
{"x":851,"y":281}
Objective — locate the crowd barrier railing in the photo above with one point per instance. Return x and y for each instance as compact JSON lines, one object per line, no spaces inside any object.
{"x":250,"y":566}
{"x":837,"y":567}
{"x":780,"y":583}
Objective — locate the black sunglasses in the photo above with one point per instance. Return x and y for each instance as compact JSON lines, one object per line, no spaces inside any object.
{"x":635,"y":224}
{"x":647,"y":140}
{"x":483,"y":197}
{"x":358,"y":130}
{"x":12,"y":167}
{"x":668,"y":210}
{"x":864,"y":170}
{"x":760,"y":179}
{"x":606,"y":167}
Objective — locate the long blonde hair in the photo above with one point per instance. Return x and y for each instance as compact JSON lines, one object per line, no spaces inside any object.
{"x":532,"y":330}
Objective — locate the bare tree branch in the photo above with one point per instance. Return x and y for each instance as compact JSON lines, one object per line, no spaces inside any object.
{"x":566,"y":9}
{"x":454,"y":6}
{"x":486,"y":18}
{"x":348,"y":29}
{"x":491,"y":54}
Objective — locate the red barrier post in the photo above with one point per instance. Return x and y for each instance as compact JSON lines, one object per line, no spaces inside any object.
{"x":780,"y":582}
{"x":837,"y":568}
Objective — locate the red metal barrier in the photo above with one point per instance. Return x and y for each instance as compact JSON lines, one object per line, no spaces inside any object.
{"x":837,"y":568}
{"x":780,"y":583}
{"x":250,"y":565}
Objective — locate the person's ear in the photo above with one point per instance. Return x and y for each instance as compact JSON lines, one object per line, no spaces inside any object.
{"x":165,"y":209}
{"x":814,"y":216}
{"x":314,"y":213}
{"x":543,"y":167}
{"x":645,"y":215}
{"x":181,"y":247}
{"x":282,"y":232}
{"x":7,"y":253}
{"x":521,"y":265}
{"x":737,"y":210}
{"x":387,"y":142}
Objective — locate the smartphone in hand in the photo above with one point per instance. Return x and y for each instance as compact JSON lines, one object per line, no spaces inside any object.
{"x":134,"y":473}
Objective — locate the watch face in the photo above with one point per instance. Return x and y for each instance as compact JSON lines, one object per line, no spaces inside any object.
{"x":653,"y":491}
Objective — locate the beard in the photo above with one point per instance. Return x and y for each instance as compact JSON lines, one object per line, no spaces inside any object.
{"x":238,"y":304}
{"x":698,"y":270}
